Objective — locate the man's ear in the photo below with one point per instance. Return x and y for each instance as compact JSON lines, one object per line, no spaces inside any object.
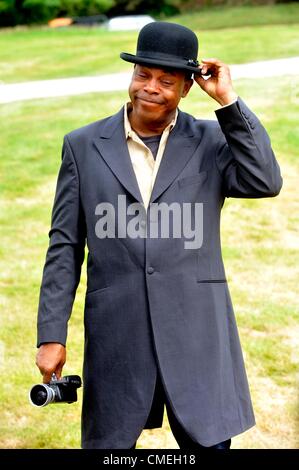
{"x":134,"y":70}
{"x":187,"y":85}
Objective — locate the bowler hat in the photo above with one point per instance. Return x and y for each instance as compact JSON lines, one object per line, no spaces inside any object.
{"x":166,"y":45}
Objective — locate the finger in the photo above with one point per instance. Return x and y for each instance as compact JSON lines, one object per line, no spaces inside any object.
{"x":212,"y":60}
{"x":45,"y":372}
{"x":210,"y":69}
{"x":207,"y":70}
{"x":58,"y":371}
{"x":199,"y":79}
{"x":198,"y":71}
{"x":202,"y":82}
{"x":47,"y":376}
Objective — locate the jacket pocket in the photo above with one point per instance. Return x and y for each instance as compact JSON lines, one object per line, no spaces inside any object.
{"x":193,"y":179}
{"x":94,"y":298}
{"x":210,"y":268}
{"x":95,"y":291}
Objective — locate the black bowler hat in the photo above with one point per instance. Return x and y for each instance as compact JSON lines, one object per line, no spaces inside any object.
{"x":166,"y":45}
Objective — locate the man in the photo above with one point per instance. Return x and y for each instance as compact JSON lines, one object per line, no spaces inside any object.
{"x":159,"y":323}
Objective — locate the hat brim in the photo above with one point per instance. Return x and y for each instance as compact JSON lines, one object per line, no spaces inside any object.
{"x":134,"y":59}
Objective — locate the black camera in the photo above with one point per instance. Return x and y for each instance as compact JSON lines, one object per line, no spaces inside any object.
{"x":63,"y":390}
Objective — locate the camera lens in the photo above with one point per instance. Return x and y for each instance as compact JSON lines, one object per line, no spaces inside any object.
{"x":41,"y":395}
{"x":41,"y":398}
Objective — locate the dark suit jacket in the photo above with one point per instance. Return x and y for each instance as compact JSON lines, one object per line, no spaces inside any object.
{"x":149,"y":300}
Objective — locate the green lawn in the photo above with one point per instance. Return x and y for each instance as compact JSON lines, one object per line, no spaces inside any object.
{"x":259,"y":237}
{"x":222,"y":17}
{"x":261,"y":255}
{"x":236,"y":35}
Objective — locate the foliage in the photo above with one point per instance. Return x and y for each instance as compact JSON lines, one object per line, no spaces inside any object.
{"x":152,"y":7}
{"x":13,"y":12}
{"x":84,"y":7}
{"x":36,"y":10}
{"x":185,"y":5}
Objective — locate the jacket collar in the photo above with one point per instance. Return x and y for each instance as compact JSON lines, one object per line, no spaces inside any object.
{"x":112,"y":146}
{"x":127,"y":124}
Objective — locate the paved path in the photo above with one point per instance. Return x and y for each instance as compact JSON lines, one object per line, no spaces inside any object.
{"x":120,"y":81}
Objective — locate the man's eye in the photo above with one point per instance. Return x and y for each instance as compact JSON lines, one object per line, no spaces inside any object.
{"x":166,"y":82}
{"x":142,"y":75}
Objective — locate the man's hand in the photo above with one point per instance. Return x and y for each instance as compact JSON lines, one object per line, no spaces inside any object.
{"x":50,"y":359}
{"x":219,"y":86}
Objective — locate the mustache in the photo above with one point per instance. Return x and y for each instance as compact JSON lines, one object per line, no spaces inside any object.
{"x":150,"y":99}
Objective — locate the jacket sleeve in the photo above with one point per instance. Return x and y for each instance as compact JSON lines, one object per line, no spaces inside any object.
{"x":65,"y":254}
{"x":244,"y":155}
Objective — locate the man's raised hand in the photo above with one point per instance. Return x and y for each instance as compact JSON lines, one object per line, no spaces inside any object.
{"x":219,"y":85}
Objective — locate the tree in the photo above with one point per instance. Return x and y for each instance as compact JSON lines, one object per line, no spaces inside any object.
{"x":13,"y":12}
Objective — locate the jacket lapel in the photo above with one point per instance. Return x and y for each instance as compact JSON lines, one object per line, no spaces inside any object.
{"x":180,"y":147}
{"x":113,"y":148}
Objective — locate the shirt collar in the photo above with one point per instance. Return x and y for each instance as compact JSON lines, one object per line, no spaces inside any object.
{"x":127,"y":124}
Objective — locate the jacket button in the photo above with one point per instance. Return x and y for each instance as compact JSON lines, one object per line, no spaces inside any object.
{"x":150,"y":270}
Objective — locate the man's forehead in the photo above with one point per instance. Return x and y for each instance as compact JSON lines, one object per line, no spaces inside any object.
{"x":167,"y":70}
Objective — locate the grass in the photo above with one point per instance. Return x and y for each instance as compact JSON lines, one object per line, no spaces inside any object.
{"x":259,"y":237}
{"x":260,"y":253}
{"x":222,"y":17}
{"x":235,"y":34}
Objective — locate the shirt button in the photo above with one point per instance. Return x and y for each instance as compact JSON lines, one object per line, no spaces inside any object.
{"x":143,"y":223}
{"x":150,"y":270}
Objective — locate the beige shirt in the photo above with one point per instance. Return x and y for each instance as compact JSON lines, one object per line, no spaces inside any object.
{"x":144,"y":164}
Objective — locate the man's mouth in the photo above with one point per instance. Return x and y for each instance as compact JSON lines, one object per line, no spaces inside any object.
{"x":148,"y":100}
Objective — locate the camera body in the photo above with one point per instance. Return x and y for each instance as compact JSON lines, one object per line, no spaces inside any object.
{"x":63,"y":390}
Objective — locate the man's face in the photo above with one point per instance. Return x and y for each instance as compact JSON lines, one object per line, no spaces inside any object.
{"x":155,"y":93}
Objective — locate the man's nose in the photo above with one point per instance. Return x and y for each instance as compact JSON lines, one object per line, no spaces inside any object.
{"x":151,"y":86}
